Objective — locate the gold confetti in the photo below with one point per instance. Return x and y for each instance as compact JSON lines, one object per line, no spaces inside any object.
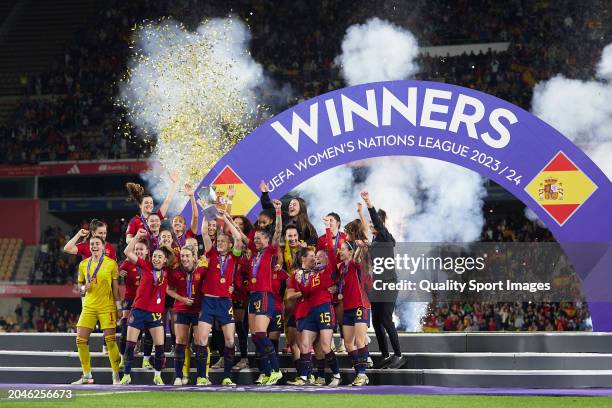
{"x":182,"y":92}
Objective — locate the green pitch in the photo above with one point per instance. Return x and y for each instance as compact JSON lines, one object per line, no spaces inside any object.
{"x":158,"y":399}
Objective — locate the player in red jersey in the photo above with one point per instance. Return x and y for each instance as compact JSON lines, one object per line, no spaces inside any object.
{"x":184,"y":285}
{"x":137,"y":194}
{"x":315,"y":283}
{"x":240,"y":295}
{"x":217,"y":287}
{"x":131,"y":274}
{"x":279,"y":285}
{"x":148,"y":306}
{"x":97,"y":228}
{"x":288,"y":258}
{"x":153,"y":231}
{"x":356,"y":309}
{"x":179,"y":226}
{"x":338,"y":238}
{"x":261,"y":298}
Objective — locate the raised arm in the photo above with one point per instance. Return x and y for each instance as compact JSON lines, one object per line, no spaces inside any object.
{"x":266,"y":202}
{"x":190,"y":192}
{"x":235,"y":232}
{"x":231,"y":192}
{"x":364,"y":223}
{"x":378,"y":224}
{"x":129,"y":249}
{"x":174,"y":178}
{"x":278,"y":227}
{"x":205,"y":237}
{"x":331,"y":253}
{"x":70,"y":246}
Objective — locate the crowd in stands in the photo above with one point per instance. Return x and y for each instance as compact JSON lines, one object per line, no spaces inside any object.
{"x":73,"y":116}
{"x":527,"y":316}
{"x":45,"y":316}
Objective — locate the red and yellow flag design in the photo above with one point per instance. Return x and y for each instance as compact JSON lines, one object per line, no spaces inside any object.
{"x":561,"y":188}
{"x":244,"y":199}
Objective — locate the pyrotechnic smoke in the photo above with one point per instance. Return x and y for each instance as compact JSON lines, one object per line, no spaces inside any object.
{"x":377,"y":51}
{"x":195,"y":92}
{"x":426,"y":200}
{"x":581,"y":110}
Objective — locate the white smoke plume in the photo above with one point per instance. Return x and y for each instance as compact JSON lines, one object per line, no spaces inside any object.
{"x":377,"y":51}
{"x":581,"y":110}
{"x":194,"y":92}
{"x":426,"y":200}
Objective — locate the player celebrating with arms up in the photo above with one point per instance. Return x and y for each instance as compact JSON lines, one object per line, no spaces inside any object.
{"x":217,"y":287}
{"x":136,"y":193}
{"x":356,"y":318}
{"x":261,"y":298}
{"x":148,"y":305}
{"x":184,"y":285}
{"x":98,"y":276}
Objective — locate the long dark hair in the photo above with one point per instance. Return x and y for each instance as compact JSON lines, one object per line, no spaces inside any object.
{"x":248,"y":225}
{"x":355,"y":229}
{"x":302,"y":221}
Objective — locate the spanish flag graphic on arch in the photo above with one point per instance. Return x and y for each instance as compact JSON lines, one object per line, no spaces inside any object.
{"x":245,"y":197}
{"x":561,"y":188}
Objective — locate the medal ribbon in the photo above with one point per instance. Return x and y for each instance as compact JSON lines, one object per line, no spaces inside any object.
{"x":139,"y":269}
{"x":256,"y":264}
{"x":223,"y":265}
{"x":181,"y":241}
{"x":89,"y":279}
{"x":144,"y":223}
{"x":189,"y":283}
{"x":342,"y":274}
{"x":156,"y":282}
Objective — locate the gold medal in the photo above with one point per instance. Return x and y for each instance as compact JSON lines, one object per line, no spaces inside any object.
{"x":222,"y":280}
{"x":340,"y":296}
{"x":254,"y":280}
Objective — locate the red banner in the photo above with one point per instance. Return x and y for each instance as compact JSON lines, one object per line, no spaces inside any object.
{"x":39,"y":291}
{"x":78,"y":168}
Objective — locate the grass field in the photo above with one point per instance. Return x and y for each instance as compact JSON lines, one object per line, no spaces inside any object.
{"x":157,"y":399}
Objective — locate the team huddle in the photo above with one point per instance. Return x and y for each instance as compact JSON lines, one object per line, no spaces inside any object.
{"x":278,"y":275}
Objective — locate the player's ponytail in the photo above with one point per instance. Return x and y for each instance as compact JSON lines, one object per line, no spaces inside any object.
{"x":136,"y":192}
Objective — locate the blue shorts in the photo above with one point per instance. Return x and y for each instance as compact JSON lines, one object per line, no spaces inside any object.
{"x":217,"y":308}
{"x":187,"y":318}
{"x":261,"y":303}
{"x":141,"y":319}
{"x":276,"y":322}
{"x":291,"y":321}
{"x":357,"y":315}
{"x":319,"y":318}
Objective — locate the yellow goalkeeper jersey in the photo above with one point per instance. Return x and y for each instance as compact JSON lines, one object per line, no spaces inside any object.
{"x":100,"y":297}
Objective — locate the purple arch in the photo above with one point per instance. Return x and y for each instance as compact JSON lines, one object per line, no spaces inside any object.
{"x":512,"y":147}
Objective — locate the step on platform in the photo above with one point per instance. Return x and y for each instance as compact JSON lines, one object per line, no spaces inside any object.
{"x":535,"y":360}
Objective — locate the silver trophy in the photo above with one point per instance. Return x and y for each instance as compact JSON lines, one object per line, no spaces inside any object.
{"x":209,"y":196}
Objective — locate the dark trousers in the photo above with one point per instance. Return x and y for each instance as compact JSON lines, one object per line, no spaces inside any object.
{"x":382,"y":320}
